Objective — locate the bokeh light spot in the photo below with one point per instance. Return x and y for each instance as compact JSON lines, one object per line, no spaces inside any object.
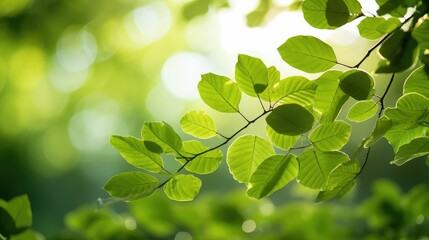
{"x":162,"y":105}
{"x":248,"y":226}
{"x":183,"y":236}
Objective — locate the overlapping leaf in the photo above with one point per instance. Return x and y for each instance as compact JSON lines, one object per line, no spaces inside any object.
{"x":416,"y":148}
{"x":272,"y":174}
{"x":281,"y":140}
{"x":199,"y":124}
{"x":131,"y":185}
{"x":420,"y":33}
{"x":273,"y":79}
{"x":295,"y":89}
{"x":357,"y":84}
{"x":182,"y":187}
{"x":308,"y":53}
{"x":204,"y":163}
{"x":396,"y":8}
{"x":418,"y":82}
{"x":220,"y":93}
{"x":251,"y":75}
{"x":376,"y":27}
{"x":382,"y":125}
{"x":330,"y":137}
{"x":290,"y":119}
{"x":160,"y":134}
{"x":245,"y":154}
{"x":362,"y":111}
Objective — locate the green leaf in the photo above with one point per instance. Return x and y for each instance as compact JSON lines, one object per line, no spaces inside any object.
{"x":282,"y":141}
{"x":251,"y":75}
{"x":416,"y":148}
{"x":257,"y":16}
{"x":418,"y":82}
{"x":182,"y":187}
{"x":362,"y":111}
{"x":382,"y":125}
{"x":330,"y":137}
{"x":220,"y":93}
{"x":308,"y":53}
{"x":135,"y":153}
{"x":344,"y":173}
{"x":26,"y":235}
{"x":204,"y":163}
{"x":357,"y":84}
{"x":163,"y":135}
{"x":290,"y":119}
{"x":199,"y":124}
{"x":131,"y":185}
{"x":295,"y":89}
{"x":392,"y":7}
{"x":7,"y":224}
{"x":245,"y":154}
{"x":272,"y":174}
{"x":20,"y":210}
{"x":315,"y":167}
{"x":273,"y":79}
{"x":329,"y":97}
{"x":330,"y":14}
{"x":420,"y":33}
{"x":376,"y":27}
{"x":337,"y":192}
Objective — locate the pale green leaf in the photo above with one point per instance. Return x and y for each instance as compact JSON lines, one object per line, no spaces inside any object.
{"x":294,"y":89}
{"x":204,"y":163}
{"x":330,"y":137}
{"x":382,"y":125}
{"x":290,"y":119}
{"x":376,"y":27}
{"x":273,"y":79}
{"x":199,"y":124}
{"x":220,"y":93}
{"x":330,"y":14}
{"x":418,"y":81}
{"x":272,"y":174}
{"x":135,"y":153}
{"x":20,"y":210}
{"x":251,"y":75}
{"x":182,"y":187}
{"x":308,"y":53}
{"x":163,"y":135}
{"x":329,"y":97}
{"x":131,"y":185}
{"x":416,"y":148}
{"x":281,"y":140}
{"x":245,"y":154}
{"x":357,"y":84}
{"x":315,"y":167}
{"x":362,"y":111}
{"x":420,"y":33}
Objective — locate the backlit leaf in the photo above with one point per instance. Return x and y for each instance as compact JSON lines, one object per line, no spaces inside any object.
{"x":281,"y":140}
{"x":330,"y":14}
{"x":163,"y":135}
{"x":220,"y":93}
{"x":182,"y":187}
{"x":416,"y":148}
{"x":135,"y":153}
{"x":273,"y":79}
{"x":290,"y":119}
{"x":344,"y":173}
{"x":294,"y":89}
{"x":376,"y":27}
{"x":199,"y":124}
{"x":330,"y":137}
{"x":420,"y":33}
{"x":357,"y":84}
{"x":131,"y":185}
{"x":382,"y":125}
{"x":204,"y":163}
{"x":392,"y":7}
{"x":337,"y":192}
{"x":308,"y":53}
{"x":251,"y":75}
{"x":418,"y":82}
{"x":245,"y":154}
{"x":20,"y":210}
{"x":362,"y":111}
{"x":272,"y":174}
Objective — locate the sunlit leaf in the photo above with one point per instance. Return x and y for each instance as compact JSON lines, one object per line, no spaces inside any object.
{"x":337,"y":192}
{"x":330,"y":14}
{"x":131,"y":185}
{"x":26,"y":235}
{"x":344,"y":173}
{"x":135,"y":153}
{"x":315,"y":167}
{"x":418,"y":81}
{"x":199,"y":124}
{"x":330,"y":137}
{"x":416,"y":148}
{"x":20,"y":210}
{"x":329,"y":97}
{"x":251,"y":75}
{"x":245,"y":154}
{"x":382,"y":125}
{"x":362,"y":111}
{"x":308,"y":53}
{"x":281,"y":140}
{"x":257,"y":16}
{"x":219,"y":92}
{"x":182,"y":187}
{"x":203,"y":163}
{"x":290,"y":119}
{"x":273,"y":79}
{"x":294,"y":89}
{"x":163,"y":135}
{"x":420,"y":33}
{"x":357,"y":84}
{"x":392,"y":7}
{"x":376,"y":27}
{"x":272,"y":174}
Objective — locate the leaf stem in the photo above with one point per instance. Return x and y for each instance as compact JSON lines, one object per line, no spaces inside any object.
{"x":382,"y":106}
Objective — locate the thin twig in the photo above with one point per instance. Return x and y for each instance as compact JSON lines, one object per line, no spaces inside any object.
{"x":382,"y":106}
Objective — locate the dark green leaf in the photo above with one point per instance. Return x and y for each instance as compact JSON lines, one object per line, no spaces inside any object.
{"x":7,"y":224}
{"x":153,"y":147}
{"x":416,"y":148}
{"x":418,"y":82}
{"x":330,"y":14}
{"x":131,"y":185}
{"x":251,"y":75}
{"x":220,"y":93}
{"x":198,"y":124}
{"x":376,"y":27}
{"x":357,"y":84}
{"x":362,"y":111}
{"x":163,"y":135}
{"x":135,"y":152}
{"x":392,"y":7}
{"x":308,"y":53}
{"x":290,"y":119}
{"x":272,"y":174}
{"x":294,"y":89}
{"x":182,"y":187}
{"x":330,"y":137}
